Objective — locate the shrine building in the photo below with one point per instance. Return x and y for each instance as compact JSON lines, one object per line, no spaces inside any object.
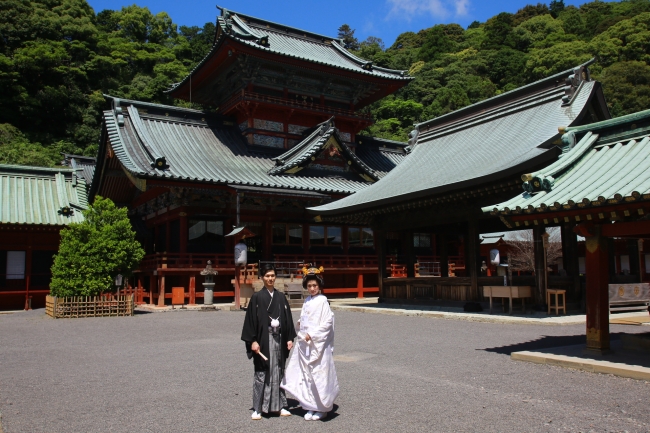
{"x":35,"y":204}
{"x":281,"y":134}
{"x":427,"y":212}
{"x":600,"y":189}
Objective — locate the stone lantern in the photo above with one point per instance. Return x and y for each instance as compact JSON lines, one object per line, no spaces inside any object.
{"x":208,"y":284}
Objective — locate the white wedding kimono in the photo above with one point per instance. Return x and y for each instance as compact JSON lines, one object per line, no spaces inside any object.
{"x":310,"y":375}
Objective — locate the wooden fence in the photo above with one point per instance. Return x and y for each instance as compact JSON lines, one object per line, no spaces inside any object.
{"x":89,"y":306}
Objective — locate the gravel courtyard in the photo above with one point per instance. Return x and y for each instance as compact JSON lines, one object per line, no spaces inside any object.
{"x":186,"y":371}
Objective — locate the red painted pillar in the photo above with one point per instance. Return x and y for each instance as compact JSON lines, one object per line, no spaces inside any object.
{"x":161,"y":291}
{"x":237,"y":287}
{"x":597,"y":277}
{"x":360,"y":286}
{"x":140,"y":295}
{"x":153,"y":281}
{"x":193,"y":290}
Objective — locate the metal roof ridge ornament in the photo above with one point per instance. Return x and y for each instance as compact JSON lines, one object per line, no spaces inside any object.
{"x":413,"y":138}
{"x":539,"y":184}
{"x":573,"y":82}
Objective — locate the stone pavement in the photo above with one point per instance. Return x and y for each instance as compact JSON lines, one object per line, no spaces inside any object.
{"x":186,"y":371}
{"x":621,"y":362}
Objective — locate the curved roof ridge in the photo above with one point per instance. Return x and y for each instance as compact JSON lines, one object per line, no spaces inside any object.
{"x":505,"y":96}
{"x":153,"y":105}
{"x":278,"y":25}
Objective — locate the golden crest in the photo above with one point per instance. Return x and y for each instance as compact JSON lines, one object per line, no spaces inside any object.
{"x":306,"y":270}
{"x":637,"y":290}
{"x":621,"y":291}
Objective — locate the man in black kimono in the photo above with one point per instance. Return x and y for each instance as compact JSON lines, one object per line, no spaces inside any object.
{"x":268,"y":333}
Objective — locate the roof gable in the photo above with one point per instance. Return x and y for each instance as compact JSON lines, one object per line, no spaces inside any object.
{"x":323,"y":149}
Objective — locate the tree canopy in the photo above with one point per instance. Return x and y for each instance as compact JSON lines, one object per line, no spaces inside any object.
{"x":58,"y":57}
{"x":92,"y":253}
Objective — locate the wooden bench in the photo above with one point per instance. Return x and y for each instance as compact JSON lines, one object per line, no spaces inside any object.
{"x":510,"y":292}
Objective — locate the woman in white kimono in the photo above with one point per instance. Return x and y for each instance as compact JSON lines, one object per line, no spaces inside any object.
{"x":310,"y":375}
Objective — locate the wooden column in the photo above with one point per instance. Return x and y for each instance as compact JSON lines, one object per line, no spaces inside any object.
{"x":409,"y":253}
{"x":642,"y":269}
{"x":161,"y":290}
{"x":139,"y":297}
{"x":570,"y":260}
{"x":184,"y":232}
{"x":597,"y":292}
{"x":633,"y":252}
{"x":540,"y":270}
{"x":472,"y":254}
{"x":614,"y":268}
{"x":237,"y":287}
{"x":192,"y":290}
{"x":380,"y":249}
{"x":167,"y":236}
{"x":360,"y":285}
{"x":305,"y":239}
{"x":28,"y":272}
{"x":444,"y":256}
{"x":267,"y":246}
{"x":153,"y":282}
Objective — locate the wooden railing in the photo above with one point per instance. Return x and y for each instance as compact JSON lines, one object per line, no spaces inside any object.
{"x":186,"y":260}
{"x":244,"y":95}
{"x":335,"y":261}
{"x":458,"y":261}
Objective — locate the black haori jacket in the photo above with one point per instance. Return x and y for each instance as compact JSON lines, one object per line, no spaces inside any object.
{"x":256,"y":326}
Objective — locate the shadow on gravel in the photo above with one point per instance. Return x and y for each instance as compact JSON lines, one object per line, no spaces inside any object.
{"x":294,"y":407}
{"x":545,"y":342}
{"x":138,"y":312}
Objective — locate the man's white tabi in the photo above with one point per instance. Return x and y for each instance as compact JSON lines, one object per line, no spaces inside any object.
{"x":310,"y":375}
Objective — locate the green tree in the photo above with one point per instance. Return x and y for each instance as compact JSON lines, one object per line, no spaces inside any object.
{"x":555,"y":7}
{"x":92,"y":253}
{"x":528,"y":12}
{"x":626,"y":86}
{"x":441,"y":39}
{"x":498,"y":31}
{"x":347,"y":35}
{"x":627,"y":40}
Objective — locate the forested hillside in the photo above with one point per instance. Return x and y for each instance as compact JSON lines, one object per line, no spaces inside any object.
{"x":57,"y":57}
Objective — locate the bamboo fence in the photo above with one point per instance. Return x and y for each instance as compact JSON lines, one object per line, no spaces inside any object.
{"x":89,"y":306}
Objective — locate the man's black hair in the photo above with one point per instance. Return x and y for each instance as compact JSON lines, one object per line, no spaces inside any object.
{"x":266,"y":267}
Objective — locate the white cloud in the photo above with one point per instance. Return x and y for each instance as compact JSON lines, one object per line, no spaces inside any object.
{"x":409,"y":9}
{"x":462,"y":7}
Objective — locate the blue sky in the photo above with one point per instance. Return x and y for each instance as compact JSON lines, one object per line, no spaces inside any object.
{"x":385,"y":19}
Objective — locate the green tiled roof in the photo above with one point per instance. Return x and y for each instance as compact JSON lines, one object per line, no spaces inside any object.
{"x":482,"y":142}
{"x":603,"y":163}
{"x":290,"y":42}
{"x":35,"y":195}
{"x":202,"y":147}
